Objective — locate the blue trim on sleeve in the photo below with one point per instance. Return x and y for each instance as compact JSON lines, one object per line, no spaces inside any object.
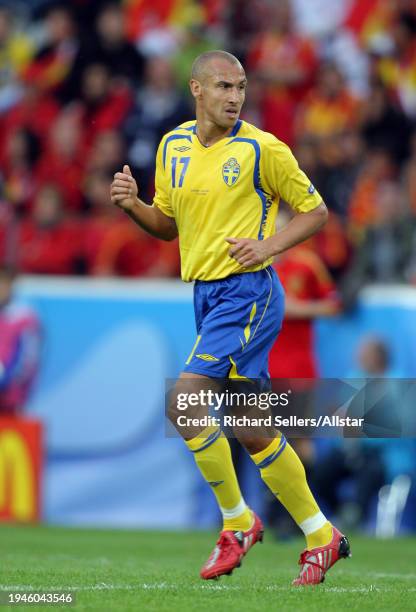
{"x":266,"y":202}
{"x":191,"y":128}
{"x":173,"y":137}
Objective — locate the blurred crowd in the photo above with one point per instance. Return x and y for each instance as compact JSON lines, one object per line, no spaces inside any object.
{"x":87,"y":85}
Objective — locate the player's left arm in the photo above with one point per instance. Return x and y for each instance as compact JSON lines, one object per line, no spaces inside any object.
{"x":249,"y":252}
{"x":300,"y":228}
{"x":283,"y":177}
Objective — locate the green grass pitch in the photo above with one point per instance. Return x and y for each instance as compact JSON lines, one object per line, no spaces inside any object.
{"x":143,"y":570}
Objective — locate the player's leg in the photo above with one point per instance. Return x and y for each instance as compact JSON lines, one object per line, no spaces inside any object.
{"x":212,"y":454}
{"x":279,"y":465}
{"x":283,"y":472}
{"x":226,"y":313}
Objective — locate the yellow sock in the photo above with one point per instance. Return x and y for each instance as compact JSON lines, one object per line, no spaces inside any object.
{"x":284,"y":474}
{"x":213,"y":457}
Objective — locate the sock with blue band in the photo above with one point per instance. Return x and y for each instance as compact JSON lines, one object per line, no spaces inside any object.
{"x":212,"y":455}
{"x":284,"y":474}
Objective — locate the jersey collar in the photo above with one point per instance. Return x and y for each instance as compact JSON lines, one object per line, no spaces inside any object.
{"x":232,"y":134}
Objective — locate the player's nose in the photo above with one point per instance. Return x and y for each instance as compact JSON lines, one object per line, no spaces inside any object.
{"x":233,"y":96}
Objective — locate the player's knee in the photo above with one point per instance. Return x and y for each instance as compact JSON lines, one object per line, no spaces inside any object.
{"x":252,"y":443}
{"x":173,"y":411}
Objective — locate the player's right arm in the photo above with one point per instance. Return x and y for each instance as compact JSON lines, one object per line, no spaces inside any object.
{"x":124,"y":194}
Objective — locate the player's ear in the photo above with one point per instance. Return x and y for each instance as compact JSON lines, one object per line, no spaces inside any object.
{"x":195,"y":87}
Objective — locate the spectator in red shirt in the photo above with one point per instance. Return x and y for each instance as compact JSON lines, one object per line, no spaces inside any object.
{"x":35,"y":111}
{"x":63,"y":160}
{"x":330,"y":108}
{"x":105,"y":101}
{"x":286,"y":61}
{"x":54,"y":59}
{"x":106,"y":43}
{"x":107,"y":152}
{"x":333,"y":247}
{"x":310,"y":293}
{"x":20,"y":162}
{"x":266,"y":112}
{"x":114,"y":246}
{"x":49,"y":242}
{"x":377,"y":167}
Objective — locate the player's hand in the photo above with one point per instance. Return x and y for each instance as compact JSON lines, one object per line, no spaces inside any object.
{"x":248,"y":252}
{"x":124,"y":189}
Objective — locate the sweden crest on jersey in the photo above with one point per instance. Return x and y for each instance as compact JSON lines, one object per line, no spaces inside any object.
{"x":231,"y":171}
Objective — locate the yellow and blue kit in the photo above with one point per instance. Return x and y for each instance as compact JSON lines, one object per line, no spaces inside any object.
{"x":229,"y":189}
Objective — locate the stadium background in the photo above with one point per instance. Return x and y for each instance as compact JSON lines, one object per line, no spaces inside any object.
{"x":85,"y":86}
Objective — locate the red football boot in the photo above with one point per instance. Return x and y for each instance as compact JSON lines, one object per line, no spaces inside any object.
{"x":230,"y":549}
{"x":316,"y":562}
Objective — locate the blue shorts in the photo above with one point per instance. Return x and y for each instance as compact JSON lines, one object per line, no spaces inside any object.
{"x":237,"y":320}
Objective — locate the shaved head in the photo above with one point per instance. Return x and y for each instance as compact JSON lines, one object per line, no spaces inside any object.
{"x":201,"y":66}
{"x":218,"y":86}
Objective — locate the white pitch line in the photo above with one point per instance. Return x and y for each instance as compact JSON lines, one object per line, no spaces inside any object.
{"x":160,"y":586}
{"x":371,"y":588}
{"x":163,"y":586}
{"x":56,"y":587}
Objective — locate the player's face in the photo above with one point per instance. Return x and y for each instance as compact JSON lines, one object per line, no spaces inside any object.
{"x":222,"y":92}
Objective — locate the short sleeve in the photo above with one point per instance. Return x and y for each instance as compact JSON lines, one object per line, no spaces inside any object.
{"x":281,"y":176}
{"x":162,"y":197}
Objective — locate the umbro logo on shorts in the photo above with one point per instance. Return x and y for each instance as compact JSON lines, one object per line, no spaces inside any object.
{"x":207,"y":357}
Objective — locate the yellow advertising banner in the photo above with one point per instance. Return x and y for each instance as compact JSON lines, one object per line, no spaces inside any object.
{"x":21,"y":461}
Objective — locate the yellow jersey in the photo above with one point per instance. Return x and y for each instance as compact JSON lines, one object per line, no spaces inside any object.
{"x":229,"y":189}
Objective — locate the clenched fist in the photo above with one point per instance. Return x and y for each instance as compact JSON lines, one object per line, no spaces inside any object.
{"x":124,"y":189}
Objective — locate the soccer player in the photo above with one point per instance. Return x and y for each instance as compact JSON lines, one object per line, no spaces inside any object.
{"x":218,"y":184}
